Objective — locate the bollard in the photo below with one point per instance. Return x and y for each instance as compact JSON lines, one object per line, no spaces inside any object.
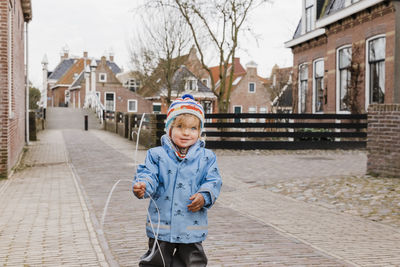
{"x":86,"y":122}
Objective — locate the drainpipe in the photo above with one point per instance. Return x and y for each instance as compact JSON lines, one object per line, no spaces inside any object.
{"x":396,"y":93}
{"x":27,"y":84}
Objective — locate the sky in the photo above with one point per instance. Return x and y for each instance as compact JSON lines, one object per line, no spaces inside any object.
{"x":103,"y":26}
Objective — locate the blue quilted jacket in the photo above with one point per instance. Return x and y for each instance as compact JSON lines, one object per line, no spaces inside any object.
{"x":171,"y":182}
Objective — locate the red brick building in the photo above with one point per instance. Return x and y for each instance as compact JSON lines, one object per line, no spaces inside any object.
{"x":249,"y":93}
{"x":14,"y":16}
{"x":189,"y":78}
{"x":75,"y":79}
{"x":344,"y":55}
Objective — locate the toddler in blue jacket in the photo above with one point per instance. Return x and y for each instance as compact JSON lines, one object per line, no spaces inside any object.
{"x":182,"y":177}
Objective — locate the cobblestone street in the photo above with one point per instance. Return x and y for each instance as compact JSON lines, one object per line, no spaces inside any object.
{"x":278,"y":208}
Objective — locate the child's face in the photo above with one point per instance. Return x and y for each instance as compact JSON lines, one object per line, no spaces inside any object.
{"x":185,"y":130}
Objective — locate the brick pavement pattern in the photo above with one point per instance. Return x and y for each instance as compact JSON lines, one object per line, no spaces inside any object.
{"x":44,"y":220}
{"x":249,"y":226}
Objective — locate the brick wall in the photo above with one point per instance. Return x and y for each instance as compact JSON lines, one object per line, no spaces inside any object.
{"x":241,"y":96}
{"x":357,"y":29}
{"x":383,"y":143}
{"x":12,"y":125}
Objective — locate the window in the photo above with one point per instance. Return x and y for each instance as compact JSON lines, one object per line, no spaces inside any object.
{"x":303,"y":87}
{"x":252,"y":110}
{"x":132,"y":105}
{"x":263,"y":110}
{"x":133,"y":84}
{"x":102,"y":77}
{"x":110,"y":101}
{"x":318,"y":96}
{"x":236,"y":110}
{"x":191,"y":84}
{"x":252,"y":87}
{"x":310,"y":15}
{"x":205,"y":82}
{"x":156,"y":108}
{"x":343,"y":78}
{"x":376,"y":70}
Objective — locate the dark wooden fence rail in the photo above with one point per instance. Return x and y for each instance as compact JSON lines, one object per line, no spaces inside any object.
{"x":281,"y":131}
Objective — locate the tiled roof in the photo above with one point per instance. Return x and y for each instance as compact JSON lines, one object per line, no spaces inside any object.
{"x":239,"y":70}
{"x":61,"y":68}
{"x":179,"y":80}
{"x":78,"y":67}
{"x":78,"y":81}
{"x":113,"y":66}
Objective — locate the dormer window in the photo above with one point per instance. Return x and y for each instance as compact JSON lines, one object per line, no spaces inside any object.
{"x":309,"y":15}
{"x":133,"y":84}
{"x":102,"y":77}
{"x":191,"y":84}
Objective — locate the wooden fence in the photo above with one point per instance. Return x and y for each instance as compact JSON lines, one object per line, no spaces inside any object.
{"x":281,"y":131}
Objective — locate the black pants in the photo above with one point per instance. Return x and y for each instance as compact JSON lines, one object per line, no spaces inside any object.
{"x":175,"y":255}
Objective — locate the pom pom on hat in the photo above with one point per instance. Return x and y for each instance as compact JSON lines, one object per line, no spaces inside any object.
{"x":184,"y":105}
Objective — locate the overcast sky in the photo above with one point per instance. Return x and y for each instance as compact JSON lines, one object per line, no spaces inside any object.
{"x":100,"y":26}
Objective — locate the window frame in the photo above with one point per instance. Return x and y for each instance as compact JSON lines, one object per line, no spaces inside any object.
{"x":299,"y":93}
{"x":156,"y":104}
{"x":105,"y":101}
{"x":252,"y":92}
{"x":314,"y":95}
{"x":133,"y":84}
{"x":136,"y":105}
{"x":100,"y":77}
{"x":189,"y":82}
{"x":309,"y":23}
{"x":368,"y":69}
{"x":233,"y":111}
{"x":252,"y":112}
{"x":338,"y":79}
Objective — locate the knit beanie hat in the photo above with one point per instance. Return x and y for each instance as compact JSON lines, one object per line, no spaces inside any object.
{"x":184,"y":105}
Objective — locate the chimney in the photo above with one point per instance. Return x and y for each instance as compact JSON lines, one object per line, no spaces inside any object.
{"x":251,"y":68}
{"x":103,"y":60}
{"x":111,"y":55}
{"x":85,"y":54}
{"x":64,"y":52}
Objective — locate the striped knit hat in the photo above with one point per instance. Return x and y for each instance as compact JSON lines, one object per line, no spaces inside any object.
{"x":184,"y":105}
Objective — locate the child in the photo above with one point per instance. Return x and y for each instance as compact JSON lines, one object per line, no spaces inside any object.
{"x":183,"y":178}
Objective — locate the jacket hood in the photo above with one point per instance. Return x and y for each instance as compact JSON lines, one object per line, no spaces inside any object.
{"x":166,"y":143}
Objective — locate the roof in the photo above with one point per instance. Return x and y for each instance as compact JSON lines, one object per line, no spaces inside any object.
{"x":78,"y":80}
{"x":285,"y":99}
{"x":113,"y":66}
{"x":238,"y":70}
{"x":61,"y":68}
{"x":324,"y":8}
{"x":179,"y":82}
{"x":77,"y":68}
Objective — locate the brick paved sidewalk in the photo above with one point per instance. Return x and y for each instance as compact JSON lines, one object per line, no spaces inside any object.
{"x":44,"y":220}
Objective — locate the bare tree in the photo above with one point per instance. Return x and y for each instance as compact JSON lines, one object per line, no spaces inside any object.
{"x":352,"y":98}
{"x":217,"y":25}
{"x":156,"y":50}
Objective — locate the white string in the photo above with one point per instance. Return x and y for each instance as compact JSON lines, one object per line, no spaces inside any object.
{"x":155,"y":233}
{"x":151,"y":199}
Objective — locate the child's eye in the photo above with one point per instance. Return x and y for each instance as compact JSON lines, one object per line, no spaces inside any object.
{"x":179,"y":126}
{"x":194,"y":128}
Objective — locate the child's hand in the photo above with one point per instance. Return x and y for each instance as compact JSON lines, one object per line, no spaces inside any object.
{"x":197,"y":202}
{"x":139,"y":189}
